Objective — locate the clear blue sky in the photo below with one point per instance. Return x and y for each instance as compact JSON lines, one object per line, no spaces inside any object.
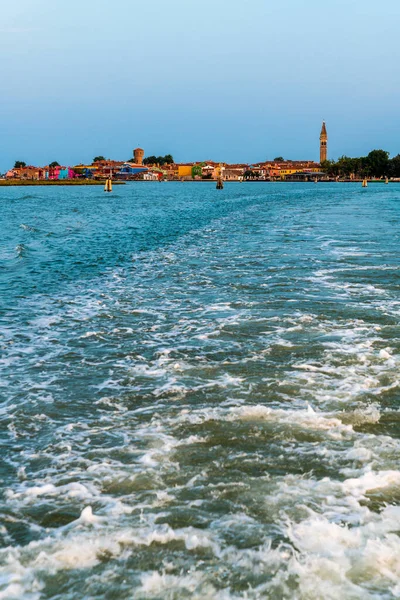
{"x":216,"y":79}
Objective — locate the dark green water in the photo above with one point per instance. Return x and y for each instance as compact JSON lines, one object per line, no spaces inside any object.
{"x":200,"y":392}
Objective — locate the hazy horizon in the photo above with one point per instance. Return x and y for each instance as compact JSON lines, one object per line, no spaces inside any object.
{"x":214,"y":81}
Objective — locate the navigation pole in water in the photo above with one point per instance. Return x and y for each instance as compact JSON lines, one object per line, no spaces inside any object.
{"x":108,"y":185}
{"x":220,"y":181}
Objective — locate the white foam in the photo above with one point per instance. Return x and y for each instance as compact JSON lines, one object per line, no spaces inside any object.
{"x":336,"y":561}
{"x":90,"y":334}
{"x":227,"y":380}
{"x":19,"y":591}
{"x":385,"y":354}
{"x":87,"y":516}
{"x":359,"y":454}
{"x":70,"y":490}
{"x":372,"y":481}
{"x":45,"y":322}
{"x":155,"y":583}
{"x":307,"y":419}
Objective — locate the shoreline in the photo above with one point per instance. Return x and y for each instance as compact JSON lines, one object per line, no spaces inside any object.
{"x":35,"y":182}
{"x":80,"y":182}
{"x":382,"y":181}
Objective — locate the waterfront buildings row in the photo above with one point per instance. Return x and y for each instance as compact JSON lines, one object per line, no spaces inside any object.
{"x":119,"y":170}
{"x":270,"y":171}
{"x":136,"y":169}
{"x":41,"y":173}
{"x":264,"y":171}
{"x":99,"y":169}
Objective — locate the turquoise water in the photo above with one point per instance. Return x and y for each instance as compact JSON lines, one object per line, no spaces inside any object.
{"x":200,"y":392}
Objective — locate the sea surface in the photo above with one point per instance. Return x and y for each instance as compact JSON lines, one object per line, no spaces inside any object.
{"x":200,"y":392}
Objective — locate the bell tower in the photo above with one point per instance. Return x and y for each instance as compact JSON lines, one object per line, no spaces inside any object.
{"x":323,"y":144}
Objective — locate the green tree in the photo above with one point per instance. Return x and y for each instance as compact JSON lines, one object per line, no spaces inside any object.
{"x":98,"y":159}
{"x":159,"y":160}
{"x":150,"y":160}
{"x":345,"y":166}
{"x":279,"y":159}
{"x":378,"y":162}
{"x":19,"y":164}
{"x":197,"y":171}
{"x":54,"y":164}
{"x":357,"y":167}
{"x":330,"y":168}
{"x":365,"y":167}
{"x":394,"y":166}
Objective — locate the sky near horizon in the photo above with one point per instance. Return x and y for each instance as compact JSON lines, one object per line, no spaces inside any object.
{"x":218,"y":79}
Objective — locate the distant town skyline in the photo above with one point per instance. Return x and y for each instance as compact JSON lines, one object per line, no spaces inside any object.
{"x":213,"y":81}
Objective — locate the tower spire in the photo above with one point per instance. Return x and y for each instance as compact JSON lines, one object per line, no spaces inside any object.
{"x":323,"y":144}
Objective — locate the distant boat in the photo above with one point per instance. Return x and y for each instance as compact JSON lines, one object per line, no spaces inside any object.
{"x":365,"y":183}
{"x":108,"y":185}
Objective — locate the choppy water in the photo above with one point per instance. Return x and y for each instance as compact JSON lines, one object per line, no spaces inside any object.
{"x":200,"y":392}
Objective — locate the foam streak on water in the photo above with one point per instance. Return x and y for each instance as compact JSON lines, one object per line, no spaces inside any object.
{"x":200,"y":392}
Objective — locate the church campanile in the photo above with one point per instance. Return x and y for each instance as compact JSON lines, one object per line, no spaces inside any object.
{"x":323,"y":144}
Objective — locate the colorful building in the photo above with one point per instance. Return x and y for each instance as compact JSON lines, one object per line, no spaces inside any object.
{"x":288,"y":170}
{"x":85,"y":171}
{"x":153,"y":175}
{"x":282,"y":170}
{"x":185,"y":171}
{"x":130,"y":170}
{"x":28,"y":172}
{"x":233,"y":172}
{"x":59,"y":173}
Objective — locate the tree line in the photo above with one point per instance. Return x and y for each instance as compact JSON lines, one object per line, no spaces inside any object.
{"x":159,"y":160}
{"x":20,"y":164}
{"x":377,"y":164}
